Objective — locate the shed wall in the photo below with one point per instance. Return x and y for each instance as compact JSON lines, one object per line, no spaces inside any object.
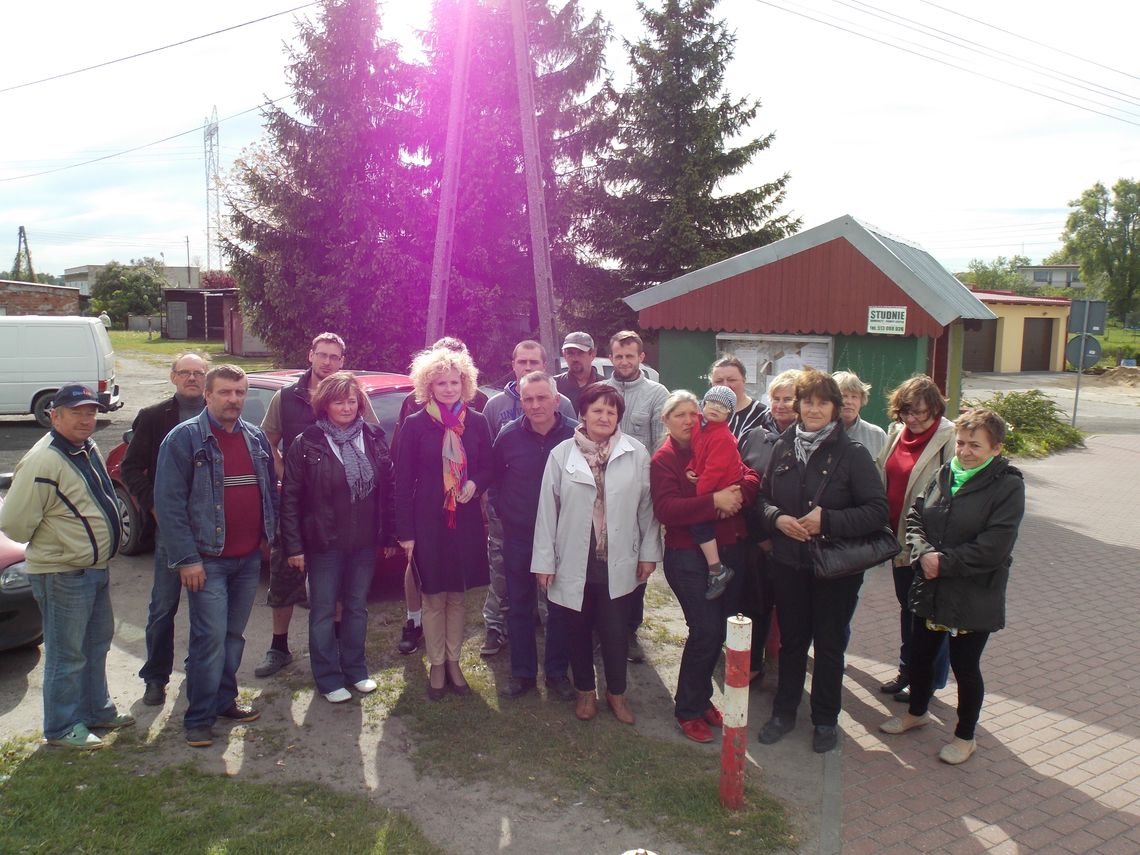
{"x":884,"y":362}
{"x":1011,"y":330}
{"x":685,"y":358}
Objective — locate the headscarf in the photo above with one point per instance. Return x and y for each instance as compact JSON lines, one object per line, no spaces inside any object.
{"x":597,"y":454}
{"x":357,"y":468}
{"x":807,"y":441}
{"x":454,"y":455}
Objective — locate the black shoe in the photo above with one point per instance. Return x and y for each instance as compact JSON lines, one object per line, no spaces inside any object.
{"x":824,"y":738}
{"x":719,"y":583}
{"x":199,"y":737}
{"x":902,"y":695}
{"x":899,"y":683}
{"x":775,"y":729}
{"x":561,"y":688}
{"x":240,"y":712}
{"x":155,"y":694}
{"x":517,"y":687}
{"x":411,"y":638}
{"x":635,"y":655}
{"x":493,"y":643}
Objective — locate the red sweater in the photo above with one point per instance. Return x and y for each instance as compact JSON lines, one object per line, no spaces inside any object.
{"x":716,"y":458}
{"x":241,"y":496}
{"x":677,"y":505}
{"x":898,"y":466}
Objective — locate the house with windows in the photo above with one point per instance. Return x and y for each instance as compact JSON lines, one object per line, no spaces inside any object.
{"x":1052,"y":275}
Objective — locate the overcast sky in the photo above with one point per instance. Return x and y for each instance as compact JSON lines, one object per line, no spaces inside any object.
{"x":961,"y":160}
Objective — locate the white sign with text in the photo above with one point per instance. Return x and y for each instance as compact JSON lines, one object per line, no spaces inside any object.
{"x":886,"y":320}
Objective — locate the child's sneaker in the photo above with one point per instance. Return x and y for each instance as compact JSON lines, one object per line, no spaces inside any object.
{"x":718,"y":582}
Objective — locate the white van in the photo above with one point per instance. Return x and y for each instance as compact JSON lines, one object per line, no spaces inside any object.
{"x":39,"y":354}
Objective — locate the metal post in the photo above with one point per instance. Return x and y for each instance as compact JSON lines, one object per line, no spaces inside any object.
{"x":536,"y":203}
{"x":449,"y":187}
{"x":1080,"y":363}
{"x":737,"y":663}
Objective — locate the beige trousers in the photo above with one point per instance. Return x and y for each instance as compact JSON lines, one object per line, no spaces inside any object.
{"x":443,"y":626}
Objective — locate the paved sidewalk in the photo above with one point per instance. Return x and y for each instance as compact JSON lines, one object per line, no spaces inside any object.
{"x":1058,"y":762}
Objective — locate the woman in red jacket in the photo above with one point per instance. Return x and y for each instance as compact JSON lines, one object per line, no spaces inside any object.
{"x":677,"y":505}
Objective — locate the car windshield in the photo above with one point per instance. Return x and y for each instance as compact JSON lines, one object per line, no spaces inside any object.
{"x":386,"y":405}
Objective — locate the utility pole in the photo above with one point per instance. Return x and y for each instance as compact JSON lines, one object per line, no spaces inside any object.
{"x":536,"y":201}
{"x":449,"y":188}
{"x":213,"y":181}
{"x":22,"y":266}
{"x":188,"y":282}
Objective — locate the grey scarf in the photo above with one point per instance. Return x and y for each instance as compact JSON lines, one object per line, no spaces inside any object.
{"x":357,"y":468}
{"x":807,"y":441}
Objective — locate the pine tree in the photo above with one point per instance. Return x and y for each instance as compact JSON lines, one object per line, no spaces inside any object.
{"x":666,"y":213}
{"x":325,"y":211}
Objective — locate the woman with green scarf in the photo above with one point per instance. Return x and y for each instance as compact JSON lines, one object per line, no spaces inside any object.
{"x":961,"y":532}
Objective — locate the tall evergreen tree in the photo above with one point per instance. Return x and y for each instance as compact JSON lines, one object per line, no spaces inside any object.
{"x":492,"y":301}
{"x":325,"y":211}
{"x":666,"y":211}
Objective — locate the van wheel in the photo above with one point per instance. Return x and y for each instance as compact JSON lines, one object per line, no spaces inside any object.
{"x":41,"y":409}
{"x":132,"y":524}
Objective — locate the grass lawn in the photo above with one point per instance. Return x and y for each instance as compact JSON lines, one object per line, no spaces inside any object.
{"x":53,"y":800}
{"x":162,"y":350}
{"x":1117,"y":337}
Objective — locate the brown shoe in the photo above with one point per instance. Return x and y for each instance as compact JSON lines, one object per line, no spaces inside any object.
{"x":619,"y":706}
{"x":587,"y":706}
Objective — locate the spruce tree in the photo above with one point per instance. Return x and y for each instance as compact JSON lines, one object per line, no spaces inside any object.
{"x":665,"y":211}
{"x":325,"y":211}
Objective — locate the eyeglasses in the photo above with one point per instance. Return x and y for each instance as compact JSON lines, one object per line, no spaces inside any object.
{"x":908,"y":413}
{"x":197,"y":375}
{"x":329,"y":357}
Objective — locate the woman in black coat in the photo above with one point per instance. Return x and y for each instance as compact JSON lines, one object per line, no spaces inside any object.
{"x":336,"y":511}
{"x":815,"y":452}
{"x":443,"y":465}
{"x":961,"y":532}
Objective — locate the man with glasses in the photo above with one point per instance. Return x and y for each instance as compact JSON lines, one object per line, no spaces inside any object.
{"x":151,"y":425}
{"x":289,"y":413}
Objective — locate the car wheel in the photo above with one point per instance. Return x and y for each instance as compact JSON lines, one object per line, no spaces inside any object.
{"x":41,"y":409}
{"x":132,"y":524}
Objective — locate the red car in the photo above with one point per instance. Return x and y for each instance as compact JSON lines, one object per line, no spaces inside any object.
{"x":21,"y":624}
{"x":385,"y":391}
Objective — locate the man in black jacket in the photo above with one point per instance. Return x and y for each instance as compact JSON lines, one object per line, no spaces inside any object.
{"x":151,"y":425}
{"x":519,"y":460}
{"x":289,"y":413}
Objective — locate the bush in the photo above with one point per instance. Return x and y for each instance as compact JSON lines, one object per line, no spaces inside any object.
{"x":1035,"y":427}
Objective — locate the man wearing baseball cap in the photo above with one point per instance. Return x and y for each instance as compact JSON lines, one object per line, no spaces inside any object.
{"x":62,"y":503}
{"x":578,"y":350}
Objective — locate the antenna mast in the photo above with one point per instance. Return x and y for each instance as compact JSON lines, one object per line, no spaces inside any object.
{"x":213,"y":195}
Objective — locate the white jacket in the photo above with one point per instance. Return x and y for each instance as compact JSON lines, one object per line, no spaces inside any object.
{"x":566,"y":513}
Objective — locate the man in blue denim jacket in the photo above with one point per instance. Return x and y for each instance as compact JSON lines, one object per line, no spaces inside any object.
{"x":215,"y":498}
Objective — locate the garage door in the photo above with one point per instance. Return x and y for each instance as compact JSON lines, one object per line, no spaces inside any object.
{"x":978,"y":347}
{"x":1035,"y":344}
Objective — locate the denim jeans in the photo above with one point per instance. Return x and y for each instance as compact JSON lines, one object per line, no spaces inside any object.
{"x":165,"y":595}
{"x":342,"y":574}
{"x":687,"y":573}
{"x":522,"y":590}
{"x":903,"y":577}
{"x":218,"y":614}
{"x":78,"y":625}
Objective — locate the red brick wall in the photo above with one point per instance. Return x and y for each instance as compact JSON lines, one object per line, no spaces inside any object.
{"x":27,"y":298}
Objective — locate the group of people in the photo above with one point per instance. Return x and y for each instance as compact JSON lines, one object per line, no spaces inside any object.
{"x":561,"y":494}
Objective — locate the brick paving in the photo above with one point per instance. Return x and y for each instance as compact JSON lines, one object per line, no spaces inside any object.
{"x":1058,"y":761}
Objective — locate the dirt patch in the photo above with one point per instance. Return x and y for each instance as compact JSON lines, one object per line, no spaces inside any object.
{"x":1121,"y":375}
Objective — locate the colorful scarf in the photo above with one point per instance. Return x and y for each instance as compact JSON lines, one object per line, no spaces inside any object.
{"x":454,"y":456}
{"x":807,"y":441}
{"x":597,"y":454}
{"x":357,"y":468}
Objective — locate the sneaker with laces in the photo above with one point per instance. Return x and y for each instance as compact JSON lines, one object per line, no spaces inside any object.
{"x":199,"y":737}
{"x":120,"y":720}
{"x":718,"y":582}
{"x":79,"y":737}
{"x":240,"y":712}
{"x":696,"y":729}
{"x":273,"y":662}
{"x":365,"y":686}
{"x":338,"y":696}
{"x":493,"y":643}
{"x":411,"y":638}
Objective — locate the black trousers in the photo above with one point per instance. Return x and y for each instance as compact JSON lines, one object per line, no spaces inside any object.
{"x":757,"y":598}
{"x":966,"y":662}
{"x":816,"y":612}
{"x":610,"y":618}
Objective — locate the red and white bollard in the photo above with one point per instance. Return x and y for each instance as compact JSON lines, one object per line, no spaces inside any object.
{"x":737,"y":662}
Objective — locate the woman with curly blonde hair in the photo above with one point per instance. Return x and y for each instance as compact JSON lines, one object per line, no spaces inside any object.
{"x":443,"y":464}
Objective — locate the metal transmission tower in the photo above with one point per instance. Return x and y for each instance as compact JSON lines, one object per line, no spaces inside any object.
{"x":213,"y":193}
{"x":536,"y":204}
{"x":22,"y":267}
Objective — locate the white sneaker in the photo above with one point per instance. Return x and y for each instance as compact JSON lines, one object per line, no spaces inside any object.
{"x":338,"y":696}
{"x":365,"y":686}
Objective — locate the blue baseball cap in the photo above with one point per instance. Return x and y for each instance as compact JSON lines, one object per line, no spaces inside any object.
{"x":77,"y":395}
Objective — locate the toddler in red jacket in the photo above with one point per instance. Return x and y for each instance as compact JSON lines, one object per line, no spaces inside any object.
{"x":716,"y":464}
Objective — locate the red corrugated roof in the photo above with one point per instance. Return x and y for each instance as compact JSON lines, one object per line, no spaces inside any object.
{"x":823,"y":290}
{"x":1009,"y":298}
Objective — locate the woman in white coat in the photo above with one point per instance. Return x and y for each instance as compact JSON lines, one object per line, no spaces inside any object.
{"x":595,"y":541}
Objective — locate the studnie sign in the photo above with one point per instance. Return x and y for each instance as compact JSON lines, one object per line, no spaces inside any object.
{"x":886,"y":320}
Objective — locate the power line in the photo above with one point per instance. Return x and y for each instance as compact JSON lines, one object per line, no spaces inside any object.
{"x":195,"y":130}
{"x":154,"y":50}
{"x":1032,"y":41}
{"x":929,"y":58}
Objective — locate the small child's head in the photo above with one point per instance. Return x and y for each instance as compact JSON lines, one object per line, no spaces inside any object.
{"x":718,"y":404}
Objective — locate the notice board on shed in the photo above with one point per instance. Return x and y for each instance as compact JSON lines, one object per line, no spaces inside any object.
{"x":765,"y":356}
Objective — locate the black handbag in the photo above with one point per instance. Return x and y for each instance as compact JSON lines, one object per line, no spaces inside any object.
{"x":836,"y":557}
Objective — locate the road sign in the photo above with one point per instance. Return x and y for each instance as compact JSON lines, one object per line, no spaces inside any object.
{"x":1097,"y":316}
{"x":1086,"y":343}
